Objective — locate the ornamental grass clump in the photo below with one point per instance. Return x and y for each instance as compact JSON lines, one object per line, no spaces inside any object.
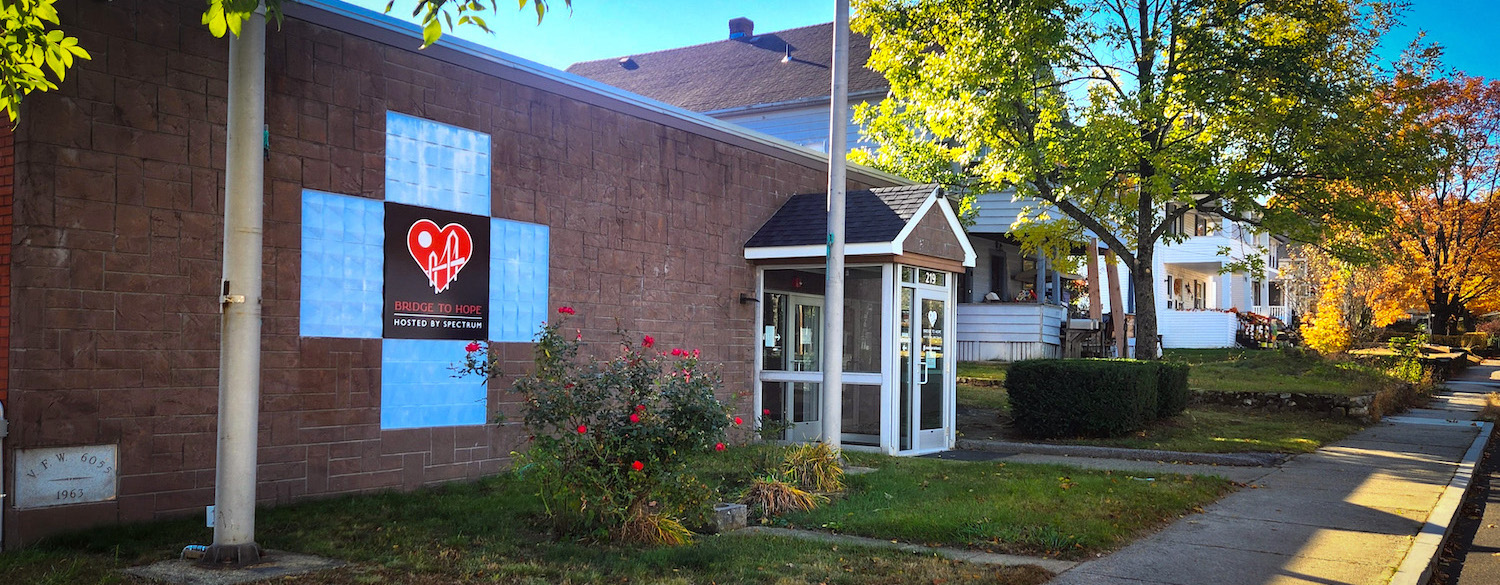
{"x":771,"y":496}
{"x":814,"y":467}
{"x":610,"y":434}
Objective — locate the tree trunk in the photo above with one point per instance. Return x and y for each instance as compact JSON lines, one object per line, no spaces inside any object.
{"x":1145,"y":306}
{"x":1443,"y":310}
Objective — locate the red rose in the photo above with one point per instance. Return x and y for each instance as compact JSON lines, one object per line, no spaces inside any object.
{"x":739,"y":421}
{"x":472,"y":347}
{"x":719,"y":447}
{"x":640,"y":408}
{"x":637,"y":466}
{"x":648,"y":341}
{"x":565,"y":310}
{"x":677,"y":351}
{"x":695,"y":354}
{"x":635,"y":418}
{"x":766,"y":411}
{"x":582,"y":429}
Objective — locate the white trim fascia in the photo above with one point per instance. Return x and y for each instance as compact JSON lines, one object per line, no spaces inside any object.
{"x":819,"y":251}
{"x":936,"y":198}
{"x":470,"y":48}
{"x":790,"y":104}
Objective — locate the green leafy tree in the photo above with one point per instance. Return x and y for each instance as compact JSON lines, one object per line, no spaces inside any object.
{"x":33,"y":41}
{"x":1120,"y":116}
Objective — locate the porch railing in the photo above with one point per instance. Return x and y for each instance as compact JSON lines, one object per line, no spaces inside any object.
{"x":1274,"y":311}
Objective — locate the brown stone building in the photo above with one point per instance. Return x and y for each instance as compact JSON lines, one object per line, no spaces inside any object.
{"x":111,"y":203}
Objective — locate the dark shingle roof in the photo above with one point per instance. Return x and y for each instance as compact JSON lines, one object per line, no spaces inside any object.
{"x":738,"y":72}
{"x":870,"y":216}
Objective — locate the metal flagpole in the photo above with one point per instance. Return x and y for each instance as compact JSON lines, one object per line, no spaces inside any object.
{"x":833,"y":299}
{"x":239,"y":345}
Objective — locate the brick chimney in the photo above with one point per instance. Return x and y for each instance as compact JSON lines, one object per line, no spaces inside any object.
{"x":741,"y":27}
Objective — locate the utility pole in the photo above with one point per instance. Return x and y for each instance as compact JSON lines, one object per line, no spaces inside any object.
{"x":239,"y":344}
{"x":833,"y":295}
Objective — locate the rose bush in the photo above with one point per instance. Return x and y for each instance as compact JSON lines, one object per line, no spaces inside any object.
{"x":609,"y":435}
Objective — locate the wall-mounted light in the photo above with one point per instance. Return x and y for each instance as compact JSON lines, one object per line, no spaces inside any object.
{"x":744,"y":298}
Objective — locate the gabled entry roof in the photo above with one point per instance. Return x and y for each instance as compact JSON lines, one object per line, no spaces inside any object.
{"x":887,"y":221}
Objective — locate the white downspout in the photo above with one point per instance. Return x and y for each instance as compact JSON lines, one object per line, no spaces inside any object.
{"x":4,"y":432}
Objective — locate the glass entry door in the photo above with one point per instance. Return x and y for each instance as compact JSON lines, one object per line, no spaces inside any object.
{"x":924,"y":393}
{"x":792,"y":362}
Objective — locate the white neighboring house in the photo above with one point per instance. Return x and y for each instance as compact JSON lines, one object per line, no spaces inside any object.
{"x":1194,"y":295}
{"x":778,"y":83}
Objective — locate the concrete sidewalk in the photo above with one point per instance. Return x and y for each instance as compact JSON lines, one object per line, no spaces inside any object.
{"x":1348,"y":514}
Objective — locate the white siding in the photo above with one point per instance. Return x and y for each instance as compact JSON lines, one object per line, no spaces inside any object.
{"x":997,"y":212}
{"x":1009,"y":331}
{"x":1196,"y":329}
{"x":807,"y":126}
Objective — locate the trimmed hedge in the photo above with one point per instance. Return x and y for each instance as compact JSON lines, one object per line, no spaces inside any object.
{"x":1080,"y":397}
{"x":1172,"y":392}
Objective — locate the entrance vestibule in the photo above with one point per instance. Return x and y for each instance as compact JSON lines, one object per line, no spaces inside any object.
{"x":905,"y":248}
{"x":896,"y":346}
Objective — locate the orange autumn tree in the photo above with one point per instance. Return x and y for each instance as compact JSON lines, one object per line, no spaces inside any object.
{"x":1444,"y":240}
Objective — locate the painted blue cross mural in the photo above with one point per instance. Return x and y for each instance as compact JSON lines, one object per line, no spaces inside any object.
{"x":346,"y":263}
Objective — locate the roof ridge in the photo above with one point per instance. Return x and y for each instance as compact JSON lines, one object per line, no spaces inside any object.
{"x":684,"y":48}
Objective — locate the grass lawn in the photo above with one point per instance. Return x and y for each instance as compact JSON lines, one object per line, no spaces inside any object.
{"x":484,"y":532}
{"x":1210,"y":429}
{"x":992,"y":397}
{"x":1260,"y":370}
{"x":984,"y":413}
{"x":983,"y":370}
{"x":1014,"y":508}
{"x":481,"y":533}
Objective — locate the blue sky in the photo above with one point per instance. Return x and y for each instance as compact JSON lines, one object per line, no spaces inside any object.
{"x":599,"y":29}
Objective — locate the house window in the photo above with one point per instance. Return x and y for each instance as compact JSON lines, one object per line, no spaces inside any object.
{"x":1175,"y":226}
{"x":1255,"y":292}
{"x":1202,"y":226}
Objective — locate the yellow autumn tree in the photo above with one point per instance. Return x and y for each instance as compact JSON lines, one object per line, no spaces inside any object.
{"x":1327,"y":331}
{"x":1338,"y":300}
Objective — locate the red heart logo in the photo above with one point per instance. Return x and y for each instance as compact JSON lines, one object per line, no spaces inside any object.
{"x":441,"y":252}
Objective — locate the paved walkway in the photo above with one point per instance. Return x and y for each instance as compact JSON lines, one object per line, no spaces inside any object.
{"x":1348,"y":514}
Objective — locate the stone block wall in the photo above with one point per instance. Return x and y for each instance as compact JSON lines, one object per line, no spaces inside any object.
{"x":118,"y":207}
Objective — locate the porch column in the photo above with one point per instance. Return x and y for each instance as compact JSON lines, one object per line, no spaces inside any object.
{"x":1116,"y":303}
{"x":1096,"y":311}
{"x":1039,"y":284}
{"x":1057,"y":292}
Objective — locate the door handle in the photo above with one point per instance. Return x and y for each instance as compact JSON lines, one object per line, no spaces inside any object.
{"x":923,"y":366}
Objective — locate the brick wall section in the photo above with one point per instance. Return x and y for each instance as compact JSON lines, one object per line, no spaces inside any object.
{"x":7,"y":205}
{"x":118,"y":247}
{"x":934,"y":237}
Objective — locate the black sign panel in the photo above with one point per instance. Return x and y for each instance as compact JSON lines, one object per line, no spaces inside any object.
{"x":437,"y":274}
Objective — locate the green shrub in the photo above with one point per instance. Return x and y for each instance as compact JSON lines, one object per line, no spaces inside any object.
{"x":1069,"y":398}
{"x":1172,"y":392}
{"x":609,"y":435}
